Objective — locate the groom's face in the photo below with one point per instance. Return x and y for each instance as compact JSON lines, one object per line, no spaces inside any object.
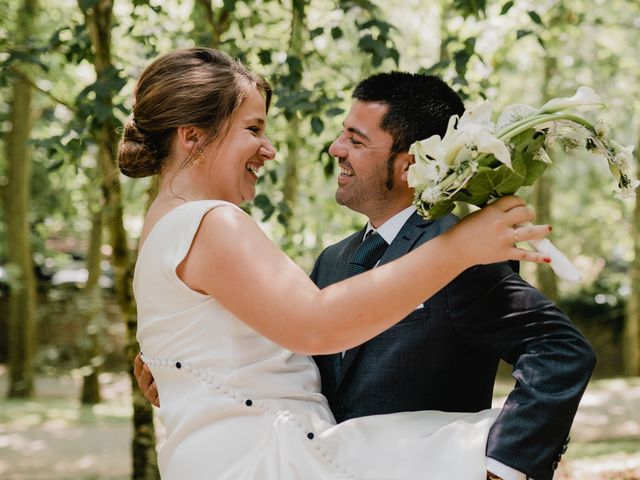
{"x":369,"y":181}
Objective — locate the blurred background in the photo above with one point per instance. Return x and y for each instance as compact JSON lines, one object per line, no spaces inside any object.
{"x":69,"y":224}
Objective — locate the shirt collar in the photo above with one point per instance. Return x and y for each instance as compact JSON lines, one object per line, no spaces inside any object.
{"x":390,"y":229}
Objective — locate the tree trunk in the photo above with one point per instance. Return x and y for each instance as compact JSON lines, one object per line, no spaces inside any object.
{"x":22,"y":329}
{"x":294,"y":141}
{"x":542,"y":194}
{"x":218,"y":21}
{"x":92,"y":313}
{"x":446,"y":12}
{"x":98,"y":20}
{"x":631,"y":337}
{"x":542,"y":200}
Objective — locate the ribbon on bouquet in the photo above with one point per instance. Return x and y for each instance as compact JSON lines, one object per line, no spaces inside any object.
{"x":560,"y":264}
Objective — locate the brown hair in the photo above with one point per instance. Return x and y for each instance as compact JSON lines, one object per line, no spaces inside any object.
{"x":193,"y":86}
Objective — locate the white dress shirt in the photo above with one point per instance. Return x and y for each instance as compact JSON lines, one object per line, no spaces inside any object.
{"x":389,"y":231}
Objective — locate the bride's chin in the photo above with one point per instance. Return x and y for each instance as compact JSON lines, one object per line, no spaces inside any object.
{"x":248,"y":196}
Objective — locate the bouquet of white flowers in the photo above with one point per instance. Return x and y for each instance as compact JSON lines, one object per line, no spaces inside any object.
{"x":478,"y":160}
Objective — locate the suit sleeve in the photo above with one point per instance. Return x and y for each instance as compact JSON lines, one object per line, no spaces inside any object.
{"x":552,"y":362}
{"x":316,"y":267}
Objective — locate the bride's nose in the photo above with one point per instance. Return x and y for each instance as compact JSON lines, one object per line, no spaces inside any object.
{"x":267,"y":151}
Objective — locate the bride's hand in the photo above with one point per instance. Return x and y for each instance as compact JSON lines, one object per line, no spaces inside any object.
{"x":490,"y":234}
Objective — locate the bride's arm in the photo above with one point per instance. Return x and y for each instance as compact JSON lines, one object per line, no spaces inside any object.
{"x":232,"y":260}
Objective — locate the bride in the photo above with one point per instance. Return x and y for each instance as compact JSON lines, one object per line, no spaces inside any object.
{"x":227,"y":322}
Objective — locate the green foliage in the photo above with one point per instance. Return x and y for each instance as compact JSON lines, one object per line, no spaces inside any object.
{"x":484,"y":49}
{"x":470,"y":7}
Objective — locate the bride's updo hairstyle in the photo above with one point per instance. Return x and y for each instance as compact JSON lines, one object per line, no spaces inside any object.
{"x":193,"y":86}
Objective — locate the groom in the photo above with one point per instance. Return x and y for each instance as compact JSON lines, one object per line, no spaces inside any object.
{"x":444,"y":355}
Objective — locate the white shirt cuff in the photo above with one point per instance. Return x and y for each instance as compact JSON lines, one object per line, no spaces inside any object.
{"x":503,"y":471}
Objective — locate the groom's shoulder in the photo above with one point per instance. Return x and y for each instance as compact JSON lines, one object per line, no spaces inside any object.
{"x":433,"y":228}
{"x":338,"y":248}
{"x":328,"y":262}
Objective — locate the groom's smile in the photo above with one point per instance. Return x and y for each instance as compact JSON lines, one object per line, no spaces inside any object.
{"x":345,"y":172}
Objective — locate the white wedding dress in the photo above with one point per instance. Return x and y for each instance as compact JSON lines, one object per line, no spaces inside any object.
{"x":238,"y":406}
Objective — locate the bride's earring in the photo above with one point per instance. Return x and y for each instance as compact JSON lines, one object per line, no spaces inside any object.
{"x":197,"y":158}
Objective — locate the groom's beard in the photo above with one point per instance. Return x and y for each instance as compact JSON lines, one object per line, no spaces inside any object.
{"x":370,"y":193}
{"x":389,"y":183}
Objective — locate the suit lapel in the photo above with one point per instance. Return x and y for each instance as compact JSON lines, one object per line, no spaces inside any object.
{"x":409,"y":234}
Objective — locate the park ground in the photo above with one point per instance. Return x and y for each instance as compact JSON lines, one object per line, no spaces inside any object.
{"x":54,"y":438}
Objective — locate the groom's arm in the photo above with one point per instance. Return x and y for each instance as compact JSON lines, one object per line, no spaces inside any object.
{"x":146,"y":383}
{"x":552,"y":363}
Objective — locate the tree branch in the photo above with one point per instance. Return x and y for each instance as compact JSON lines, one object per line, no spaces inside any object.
{"x":33,"y":85}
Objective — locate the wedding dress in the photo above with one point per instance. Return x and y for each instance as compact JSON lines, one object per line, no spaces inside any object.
{"x":238,"y":406}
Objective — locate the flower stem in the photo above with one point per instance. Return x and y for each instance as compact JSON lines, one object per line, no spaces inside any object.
{"x":534,"y":120}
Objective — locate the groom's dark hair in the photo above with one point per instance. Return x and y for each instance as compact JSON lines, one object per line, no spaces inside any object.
{"x":419,"y":105}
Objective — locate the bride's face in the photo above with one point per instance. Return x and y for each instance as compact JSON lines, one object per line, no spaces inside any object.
{"x":235,"y":161}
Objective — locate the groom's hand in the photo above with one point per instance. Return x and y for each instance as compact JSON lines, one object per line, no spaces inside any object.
{"x":146,"y":384}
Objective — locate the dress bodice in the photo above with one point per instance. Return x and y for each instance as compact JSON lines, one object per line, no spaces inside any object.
{"x":179,"y":324}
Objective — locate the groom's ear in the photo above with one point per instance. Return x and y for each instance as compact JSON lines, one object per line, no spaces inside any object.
{"x":404,"y":161}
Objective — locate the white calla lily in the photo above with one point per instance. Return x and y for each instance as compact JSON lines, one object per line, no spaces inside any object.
{"x":478,"y":115}
{"x":431,"y":147}
{"x":489,"y":144}
{"x":585,"y":99}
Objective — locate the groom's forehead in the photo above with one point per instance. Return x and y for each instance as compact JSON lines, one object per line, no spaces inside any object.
{"x":365,"y":117}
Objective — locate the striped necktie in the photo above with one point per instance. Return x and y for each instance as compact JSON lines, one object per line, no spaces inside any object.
{"x":367,"y":254}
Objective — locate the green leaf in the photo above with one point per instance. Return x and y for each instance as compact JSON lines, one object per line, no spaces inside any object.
{"x":381,"y":25}
{"x":525,"y":148}
{"x":336,"y":33}
{"x":377,"y":48}
{"x":334,"y":112}
{"x":470,"y":45}
{"x":316,"y":32}
{"x":264,"y":203}
{"x":317,"y":125}
{"x":295,"y":66}
{"x":294,"y":101}
{"x":86,"y":5}
{"x":523,"y":33}
{"x":461,"y":58}
{"x":470,"y":7}
{"x":506,"y":7}
{"x":440,"y":209}
{"x":265,"y":56}
{"x":535,"y":17}
{"x":229,"y":5}
{"x":489,"y":183}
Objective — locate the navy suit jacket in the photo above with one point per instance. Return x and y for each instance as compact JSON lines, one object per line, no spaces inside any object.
{"x":444,"y":355}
